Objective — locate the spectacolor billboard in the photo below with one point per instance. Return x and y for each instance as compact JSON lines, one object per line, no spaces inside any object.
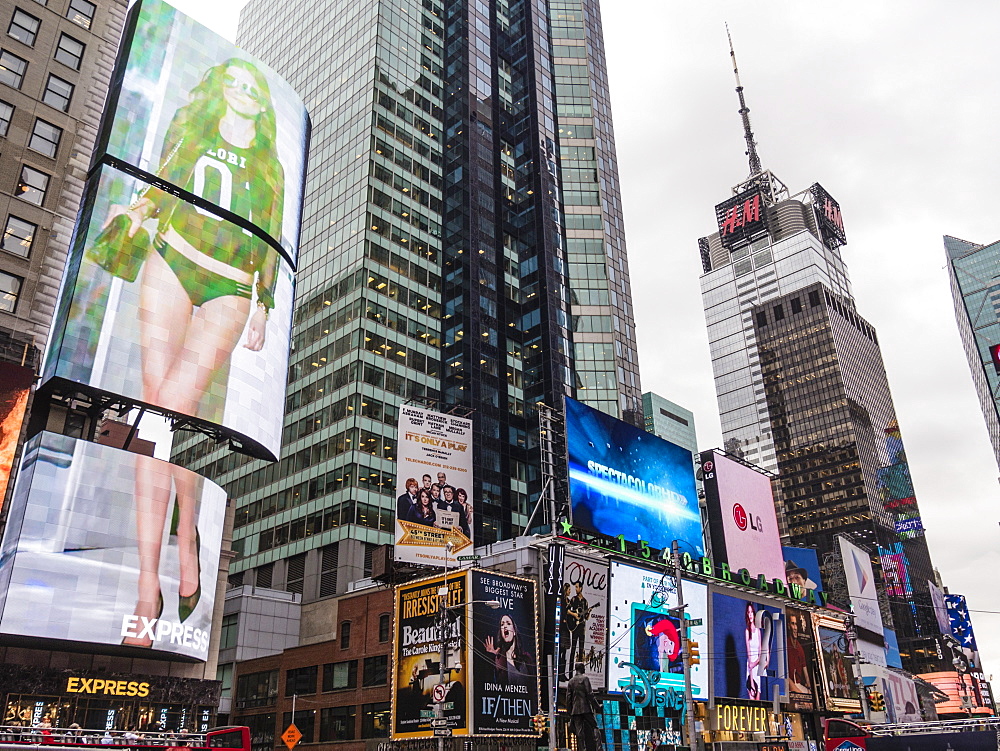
{"x":625,"y":481}
{"x":200,"y":348}
{"x":747,"y":656}
{"x":645,"y":661}
{"x":15,"y":386}
{"x":741,"y":516}
{"x":211,"y":120}
{"x":421,"y":630}
{"x":110,"y":547}
{"x":178,"y":291}
{"x":861,"y":586}
{"x":583,"y":627}
{"x":801,"y":646}
{"x":505,"y":692}
{"x":433,"y":486}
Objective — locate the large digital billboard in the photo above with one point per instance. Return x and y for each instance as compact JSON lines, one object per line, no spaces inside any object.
{"x":110,"y":547}
{"x":742,"y":218}
{"x":201,"y":348}
{"x":625,"y":481}
{"x":15,"y":386}
{"x":802,"y":569}
{"x":741,"y":516}
{"x":583,"y":627}
{"x":433,"y":486}
{"x":861,"y":586}
{"x":206,"y":117}
{"x":748,"y":641}
{"x":644,"y":636}
{"x":801,"y":647}
{"x":839,"y":683}
{"x":425,"y":631}
{"x":505,"y":693}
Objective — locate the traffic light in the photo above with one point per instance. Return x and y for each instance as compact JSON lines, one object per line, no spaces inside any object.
{"x":876,"y":701}
{"x":541,"y":723}
{"x":694,"y":658}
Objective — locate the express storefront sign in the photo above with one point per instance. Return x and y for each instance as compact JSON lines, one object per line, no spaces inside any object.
{"x":106,"y":687}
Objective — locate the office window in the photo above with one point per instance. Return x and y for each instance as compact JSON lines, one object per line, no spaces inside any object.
{"x":45,"y":138}
{"x":345,"y":634}
{"x":10,"y":290}
{"x":6,"y":113}
{"x":24,"y":28}
{"x":336,"y":724}
{"x":32,"y":185}
{"x":301,"y":681}
{"x":58,"y":93}
{"x":70,"y":51}
{"x":375,"y":720}
{"x":384,"y":622}
{"x":338,"y":675}
{"x":18,"y":236}
{"x":229,"y":631}
{"x":81,"y":12}
{"x":257,"y":689}
{"x":12,"y":69}
{"x":376,"y":670}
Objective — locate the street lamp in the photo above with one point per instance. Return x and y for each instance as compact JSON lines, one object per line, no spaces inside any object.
{"x":443,"y":644}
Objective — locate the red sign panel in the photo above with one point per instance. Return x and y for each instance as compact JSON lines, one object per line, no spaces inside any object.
{"x":15,"y":385}
{"x":741,"y":218}
{"x":995,"y":357}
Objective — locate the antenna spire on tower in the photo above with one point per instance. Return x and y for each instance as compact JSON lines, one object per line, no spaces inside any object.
{"x":751,"y":152}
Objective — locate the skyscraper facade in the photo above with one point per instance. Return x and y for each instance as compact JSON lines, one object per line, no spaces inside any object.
{"x":462,"y":248}
{"x":802,"y":387}
{"x":670,"y":421}
{"x":974,"y":271}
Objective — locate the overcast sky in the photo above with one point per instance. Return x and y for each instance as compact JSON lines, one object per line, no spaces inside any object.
{"x":892,"y":106}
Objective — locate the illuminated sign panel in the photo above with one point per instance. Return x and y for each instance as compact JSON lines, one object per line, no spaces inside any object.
{"x":839,"y":685}
{"x":421,"y":628}
{"x":175,"y":78}
{"x":111,"y":335}
{"x":831,"y":223}
{"x":801,"y":650}
{"x":752,"y":638}
{"x":741,"y":516}
{"x":584,"y":620}
{"x":741,"y":218}
{"x":434,"y":485}
{"x":15,"y":386}
{"x":861,"y":586}
{"x":74,"y":548}
{"x":645,"y":662}
{"x":625,"y":481}
{"x":505,"y":686}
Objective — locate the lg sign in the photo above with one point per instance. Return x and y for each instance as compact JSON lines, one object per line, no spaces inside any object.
{"x":744,"y":520}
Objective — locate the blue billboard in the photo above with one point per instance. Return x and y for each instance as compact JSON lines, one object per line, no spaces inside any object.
{"x":624,"y":481}
{"x":748,"y":641}
{"x":802,"y":568}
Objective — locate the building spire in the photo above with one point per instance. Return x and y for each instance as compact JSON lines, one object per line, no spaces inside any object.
{"x":751,"y":151}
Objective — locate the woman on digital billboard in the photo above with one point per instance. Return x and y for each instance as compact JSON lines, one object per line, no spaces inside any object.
{"x":197,"y":288}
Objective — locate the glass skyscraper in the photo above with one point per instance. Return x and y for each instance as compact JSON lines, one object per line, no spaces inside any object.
{"x":974,"y":271}
{"x":462,"y":248}
{"x":802,"y":390}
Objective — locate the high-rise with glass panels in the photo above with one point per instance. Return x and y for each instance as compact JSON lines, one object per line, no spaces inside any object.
{"x":802,"y":388}
{"x":462,"y":248}
{"x":974,"y":271}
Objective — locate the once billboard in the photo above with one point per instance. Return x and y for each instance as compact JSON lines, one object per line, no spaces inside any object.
{"x":213,"y":122}
{"x":741,"y":516}
{"x":433,"y":485}
{"x":505,"y":694}
{"x":425,"y":632}
{"x":747,"y":649}
{"x":625,"y":481}
{"x":15,"y":386}
{"x":90,"y":553}
{"x":583,"y":626}
{"x":146,"y":339}
{"x":644,"y":636}
{"x":861,"y":586}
